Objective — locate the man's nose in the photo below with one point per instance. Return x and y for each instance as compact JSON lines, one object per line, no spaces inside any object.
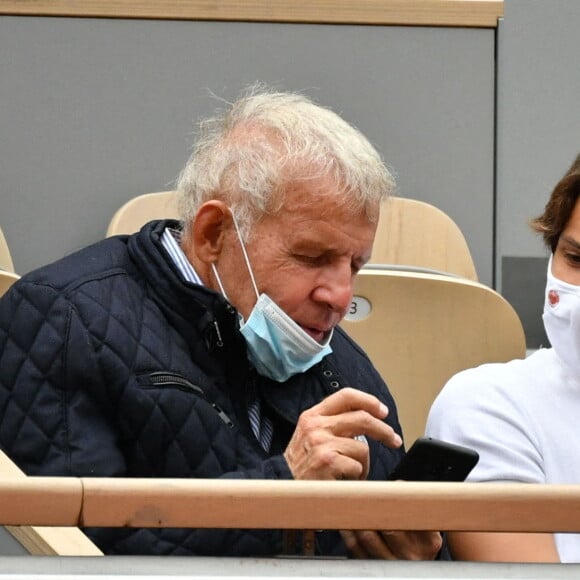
{"x":336,"y":290}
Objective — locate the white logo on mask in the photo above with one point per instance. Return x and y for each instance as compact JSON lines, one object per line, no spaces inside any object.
{"x":562,"y":319}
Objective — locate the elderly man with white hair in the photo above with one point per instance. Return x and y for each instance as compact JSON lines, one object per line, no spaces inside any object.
{"x":209,"y":347}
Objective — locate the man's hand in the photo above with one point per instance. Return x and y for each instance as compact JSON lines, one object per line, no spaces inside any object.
{"x":392,"y":545}
{"x":323,"y":444}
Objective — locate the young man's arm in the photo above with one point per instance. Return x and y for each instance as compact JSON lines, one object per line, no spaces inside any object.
{"x":503,"y":547}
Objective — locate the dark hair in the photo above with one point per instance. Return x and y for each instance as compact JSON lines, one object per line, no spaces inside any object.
{"x":559,"y":208}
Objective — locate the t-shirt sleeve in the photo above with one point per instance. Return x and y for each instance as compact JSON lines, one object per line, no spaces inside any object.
{"x":480,"y":408}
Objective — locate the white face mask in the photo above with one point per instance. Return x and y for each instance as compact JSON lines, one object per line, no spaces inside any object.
{"x":277,"y":346}
{"x":562,"y":319}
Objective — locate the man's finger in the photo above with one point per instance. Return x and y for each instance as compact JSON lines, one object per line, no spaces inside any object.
{"x":349,"y":399}
{"x":355,"y":423}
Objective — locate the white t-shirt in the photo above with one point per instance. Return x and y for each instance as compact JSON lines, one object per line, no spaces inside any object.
{"x":523,"y":418}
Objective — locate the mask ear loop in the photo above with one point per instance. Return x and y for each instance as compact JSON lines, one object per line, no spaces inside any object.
{"x":217,"y":277}
{"x":215,"y":272}
{"x":245,"y":255}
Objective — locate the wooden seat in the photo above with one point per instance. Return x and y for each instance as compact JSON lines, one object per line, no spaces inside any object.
{"x":415,"y":233}
{"x":5,"y":256}
{"x":419,"y":329}
{"x":6,"y":280}
{"x":129,"y":218}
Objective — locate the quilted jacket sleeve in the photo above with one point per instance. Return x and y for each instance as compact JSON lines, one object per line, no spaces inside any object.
{"x":42,"y":382}
{"x":54,"y":422}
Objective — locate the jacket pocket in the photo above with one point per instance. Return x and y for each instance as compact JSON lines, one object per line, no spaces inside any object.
{"x":169,"y":380}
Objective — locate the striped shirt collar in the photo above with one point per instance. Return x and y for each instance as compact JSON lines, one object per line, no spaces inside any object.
{"x":171,"y":240}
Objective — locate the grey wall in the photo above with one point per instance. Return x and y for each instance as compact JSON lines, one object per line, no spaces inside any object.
{"x":96,"y":111}
{"x":538,"y":138}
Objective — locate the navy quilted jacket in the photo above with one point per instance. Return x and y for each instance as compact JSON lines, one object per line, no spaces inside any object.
{"x":112,"y":366}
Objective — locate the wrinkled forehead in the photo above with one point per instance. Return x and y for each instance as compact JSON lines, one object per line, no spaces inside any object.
{"x":323,"y":185}
{"x":328,"y":196}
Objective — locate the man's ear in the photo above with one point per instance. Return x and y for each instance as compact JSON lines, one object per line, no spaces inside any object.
{"x":209,"y":227}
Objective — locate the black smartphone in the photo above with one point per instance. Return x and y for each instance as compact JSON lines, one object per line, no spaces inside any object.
{"x":431,"y":459}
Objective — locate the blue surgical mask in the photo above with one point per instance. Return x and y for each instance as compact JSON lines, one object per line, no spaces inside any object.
{"x":277,"y":346}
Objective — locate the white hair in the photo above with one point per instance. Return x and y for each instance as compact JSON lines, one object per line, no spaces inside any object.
{"x":266,"y":140}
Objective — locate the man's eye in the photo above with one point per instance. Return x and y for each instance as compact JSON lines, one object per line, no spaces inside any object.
{"x":573,"y":258}
{"x":309,"y":259}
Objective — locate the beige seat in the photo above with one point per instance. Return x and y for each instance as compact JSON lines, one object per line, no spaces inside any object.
{"x":41,"y":540}
{"x":129,"y":218}
{"x":5,"y":256}
{"x":420,"y":329}
{"x":6,"y":280}
{"x":415,"y":233}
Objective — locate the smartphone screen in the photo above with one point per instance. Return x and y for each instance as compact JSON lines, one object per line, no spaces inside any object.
{"x":431,"y":459}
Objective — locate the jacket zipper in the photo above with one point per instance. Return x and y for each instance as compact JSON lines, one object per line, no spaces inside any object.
{"x":162,"y":378}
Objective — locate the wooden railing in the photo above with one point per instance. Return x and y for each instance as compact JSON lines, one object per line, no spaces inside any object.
{"x":57,"y":501}
{"x":467,"y":13}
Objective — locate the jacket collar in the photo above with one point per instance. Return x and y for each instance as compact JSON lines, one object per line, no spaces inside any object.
{"x":207,"y":321}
